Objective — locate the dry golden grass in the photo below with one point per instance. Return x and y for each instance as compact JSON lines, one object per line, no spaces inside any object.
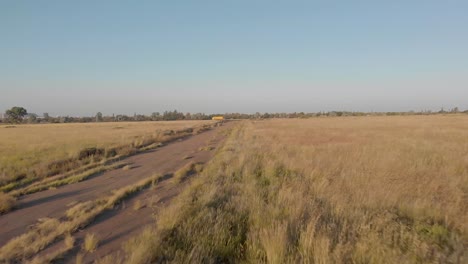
{"x":187,"y":170}
{"x":324,"y":190}
{"x":28,"y":149}
{"x":110,"y":259}
{"x":69,"y":243}
{"x":207,"y":148}
{"x":65,"y":179}
{"x":90,"y":242}
{"x":19,"y":186}
{"x":79,"y":258}
{"x":7,"y":202}
{"x":138,"y":204}
{"x":138,"y":252}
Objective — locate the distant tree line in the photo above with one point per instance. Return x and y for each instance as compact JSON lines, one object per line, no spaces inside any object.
{"x":19,"y":114}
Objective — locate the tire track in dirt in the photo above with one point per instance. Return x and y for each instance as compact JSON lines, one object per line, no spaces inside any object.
{"x":115,"y":227}
{"x":54,"y":203}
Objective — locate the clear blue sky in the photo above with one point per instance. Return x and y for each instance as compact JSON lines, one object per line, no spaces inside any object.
{"x":80,"y":57}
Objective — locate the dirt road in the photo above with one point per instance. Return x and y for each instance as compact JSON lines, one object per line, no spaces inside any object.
{"x":117,"y":225}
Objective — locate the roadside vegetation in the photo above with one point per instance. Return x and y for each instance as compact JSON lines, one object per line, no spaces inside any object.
{"x":331,"y":190}
{"x":186,"y":171}
{"x":55,"y":182}
{"x":7,"y":202}
{"x":67,"y":245}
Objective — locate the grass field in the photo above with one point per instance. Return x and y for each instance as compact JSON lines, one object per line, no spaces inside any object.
{"x":27,"y":149}
{"x":323,"y":190}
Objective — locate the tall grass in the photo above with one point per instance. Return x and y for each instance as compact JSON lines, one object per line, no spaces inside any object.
{"x":7,"y":202}
{"x":327,"y":190}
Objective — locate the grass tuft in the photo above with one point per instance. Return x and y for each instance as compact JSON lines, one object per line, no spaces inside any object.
{"x":90,"y":243}
{"x":187,"y":170}
{"x":7,"y":203}
{"x":69,"y":241}
{"x":137,"y":205}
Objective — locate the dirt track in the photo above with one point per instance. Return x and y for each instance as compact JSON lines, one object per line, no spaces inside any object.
{"x":114,"y":227}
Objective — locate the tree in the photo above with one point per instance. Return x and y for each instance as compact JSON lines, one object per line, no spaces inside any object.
{"x":16,"y":114}
{"x":99,"y":117}
{"x":32,"y":118}
{"x":64,"y":119}
{"x":155,"y":116}
{"x":173,"y":115}
{"x":46,"y":117}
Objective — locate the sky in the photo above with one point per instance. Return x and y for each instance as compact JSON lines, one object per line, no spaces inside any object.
{"x":81,"y":57}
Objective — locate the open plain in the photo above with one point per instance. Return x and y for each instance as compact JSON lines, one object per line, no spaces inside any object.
{"x":371,"y":189}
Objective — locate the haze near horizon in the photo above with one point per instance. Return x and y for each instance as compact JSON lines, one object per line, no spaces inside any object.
{"x":78,"y":58}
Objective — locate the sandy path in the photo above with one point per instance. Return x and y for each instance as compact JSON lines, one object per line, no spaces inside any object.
{"x":53,"y":203}
{"x":113,"y":228}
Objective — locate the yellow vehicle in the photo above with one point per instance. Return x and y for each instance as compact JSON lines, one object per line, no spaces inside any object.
{"x":217,"y":118}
